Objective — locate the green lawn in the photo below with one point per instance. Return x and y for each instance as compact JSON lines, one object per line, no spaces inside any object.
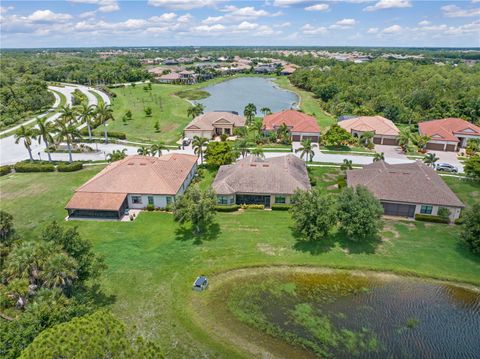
{"x":467,"y":190}
{"x":308,"y":103}
{"x":153,"y":261}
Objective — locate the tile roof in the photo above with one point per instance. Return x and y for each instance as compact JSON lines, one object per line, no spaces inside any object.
{"x":377,"y":124}
{"x":135,"y":175}
{"x":275,"y":175}
{"x":296,"y":120}
{"x":170,"y":76}
{"x":445,"y":129}
{"x":206,"y":120}
{"x":97,"y":201}
{"x":406,"y":182}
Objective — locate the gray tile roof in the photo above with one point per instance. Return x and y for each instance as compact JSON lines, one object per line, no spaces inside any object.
{"x":406,"y":182}
{"x":276,"y":175}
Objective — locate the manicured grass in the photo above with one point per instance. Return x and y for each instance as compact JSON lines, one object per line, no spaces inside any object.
{"x":308,"y":103}
{"x":467,"y":190}
{"x":325,"y":178}
{"x":97,"y":96}
{"x":152,"y":261}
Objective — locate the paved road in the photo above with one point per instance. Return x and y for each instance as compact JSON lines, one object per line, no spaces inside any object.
{"x":10,"y":152}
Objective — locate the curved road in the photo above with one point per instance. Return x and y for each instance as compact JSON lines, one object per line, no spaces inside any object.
{"x":10,"y":152}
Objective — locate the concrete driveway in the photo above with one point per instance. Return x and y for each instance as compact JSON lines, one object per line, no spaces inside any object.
{"x":391,"y":152}
{"x":448,"y":157}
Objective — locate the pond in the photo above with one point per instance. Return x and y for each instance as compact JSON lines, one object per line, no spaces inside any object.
{"x":339,"y":314}
{"x":234,"y":95}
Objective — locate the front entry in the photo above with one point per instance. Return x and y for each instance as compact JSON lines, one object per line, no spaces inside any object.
{"x":253,"y":199}
{"x":398,"y":209}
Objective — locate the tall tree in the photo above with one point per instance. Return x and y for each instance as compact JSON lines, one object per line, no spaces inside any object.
{"x":266,"y":111}
{"x":336,"y":136}
{"x":306,"y":149}
{"x":45,"y":130}
{"x":68,"y":114}
{"x":157,"y":148}
{"x":242,"y":147}
{"x":283,"y":133}
{"x":249,"y":112}
{"x":430,"y":159}
{"x":197,"y":144}
{"x":471,"y":228}
{"x":220,"y":153}
{"x":86,"y":115}
{"x":26,"y":134}
{"x":143,"y":151}
{"x":195,"y":110}
{"x":472,"y":167}
{"x":104,"y":113}
{"x":68,"y":133}
{"x":117,"y":155}
{"x":197,"y":208}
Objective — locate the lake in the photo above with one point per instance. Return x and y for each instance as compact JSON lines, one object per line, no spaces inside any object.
{"x":341,"y":314}
{"x":235,"y":94}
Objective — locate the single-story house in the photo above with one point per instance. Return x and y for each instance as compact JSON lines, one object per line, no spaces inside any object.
{"x":134,"y":182}
{"x":253,"y":180}
{"x":300,"y":125}
{"x":213,"y":124}
{"x":448,"y":134}
{"x":170,"y":78}
{"x":406,"y":189}
{"x":385,"y":132}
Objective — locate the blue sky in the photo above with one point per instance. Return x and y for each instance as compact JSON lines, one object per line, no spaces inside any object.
{"x":83,"y":23}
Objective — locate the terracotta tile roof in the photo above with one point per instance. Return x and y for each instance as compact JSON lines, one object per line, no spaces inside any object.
{"x":406,"y":182}
{"x":445,"y":129}
{"x":97,"y":201}
{"x":170,"y":76}
{"x":143,"y":175}
{"x":206,"y":120}
{"x":377,"y":124}
{"x":276,"y":175}
{"x":297,"y":121}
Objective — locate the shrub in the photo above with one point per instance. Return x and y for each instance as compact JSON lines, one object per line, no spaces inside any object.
{"x":5,"y":170}
{"x":119,"y":135}
{"x":341,"y":182}
{"x":459,"y":220}
{"x":252,"y":206}
{"x":33,"y":167}
{"x":227,"y":208}
{"x":430,"y":218}
{"x":150,"y":207}
{"x":70,"y":167}
{"x":444,"y":213}
{"x":281,"y":207}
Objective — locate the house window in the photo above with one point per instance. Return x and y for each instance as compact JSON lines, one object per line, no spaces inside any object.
{"x":137,"y":199}
{"x":224,"y":200}
{"x":169,"y":200}
{"x":150,"y":200}
{"x":280,"y":200}
{"x":426,"y":209}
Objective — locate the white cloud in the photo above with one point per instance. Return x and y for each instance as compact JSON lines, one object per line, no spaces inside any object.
{"x":318,"y":7}
{"x":286,"y":3}
{"x":308,"y":29}
{"x":394,"y":29}
{"x":344,"y":24}
{"x":373,"y":30}
{"x":103,"y":5}
{"x":208,"y":28}
{"x":235,"y":14}
{"x":48,"y":16}
{"x":182,"y":4}
{"x":424,"y":23}
{"x":455,"y":11}
{"x":185,"y":18}
{"x":245,"y":25}
{"x":389,"y":4}
{"x":212,"y":20}
{"x":473,"y":27}
{"x":166,"y":17}
{"x":284,"y":24}
{"x":87,"y":14}
{"x":4,"y":10}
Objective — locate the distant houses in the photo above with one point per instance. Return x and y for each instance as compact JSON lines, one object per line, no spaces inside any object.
{"x":253,"y":180}
{"x":448,"y":134}
{"x":385,"y":132}
{"x":300,"y":125}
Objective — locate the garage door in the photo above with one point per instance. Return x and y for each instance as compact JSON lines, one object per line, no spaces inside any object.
{"x":435,"y":146}
{"x":451,"y":148}
{"x":296,"y":138}
{"x":398,"y":209}
{"x":311,"y":138}
{"x":390,"y":141}
{"x":377,"y":140}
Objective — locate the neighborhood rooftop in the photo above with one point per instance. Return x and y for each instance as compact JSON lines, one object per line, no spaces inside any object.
{"x":406,"y":183}
{"x":446,"y":129}
{"x":377,"y":124}
{"x":283,"y":175}
{"x":297,"y":121}
{"x":206,"y":121}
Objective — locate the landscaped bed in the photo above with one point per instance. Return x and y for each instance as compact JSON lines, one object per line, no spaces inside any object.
{"x":153,"y":261}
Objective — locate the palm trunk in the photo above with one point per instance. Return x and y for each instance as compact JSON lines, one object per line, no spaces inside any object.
{"x":89,"y":131}
{"x":201,"y":157}
{"x":48,"y":150}
{"x":30,"y":153}
{"x":106,"y":135}
{"x":69,"y":152}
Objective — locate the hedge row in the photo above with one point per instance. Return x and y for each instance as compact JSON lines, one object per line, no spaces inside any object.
{"x":227,"y":208}
{"x":281,"y":207}
{"x":112,"y":134}
{"x":33,"y":167}
{"x":430,"y":218}
{"x":70,"y":167}
{"x":252,"y":206}
{"x":5,"y":170}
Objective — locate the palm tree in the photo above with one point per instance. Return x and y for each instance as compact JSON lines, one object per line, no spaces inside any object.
{"x":257,"y":126}
{"x":86,"y":115}
{"x":67,"y":132}
{"x":266,"y":111}
{"x":117,"y":155}
{"x":378,"y":157}
{"x":143,"y":151}
{"x":283,"y":133}
{"x":404,"y":138}
{"x":27,"y":134}
{"x":59,"y":271}
{"x":68,"y":114}
{"x":195,"y":110}
{"x":242,"y":147}
{"x":45,"y":130}
{"x":197,"y":144}
{"x":258,"y":152}
{"x":419,"y":140}
{"x":430,"y":159}
{"x":346,"y":165}
{"x":306,"y":150}
{"x":366,"y":137}
{"x":158,"y":148}
{"x":104,"y":113}
{"x":249,"y":112}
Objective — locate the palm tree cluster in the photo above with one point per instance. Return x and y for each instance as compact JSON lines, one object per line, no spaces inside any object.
{"x":153,"y":150}
{"x":195,"y":110}
{"x":306,"y":150}
{"x":66,"y":128}
{"x":412,"y":141}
